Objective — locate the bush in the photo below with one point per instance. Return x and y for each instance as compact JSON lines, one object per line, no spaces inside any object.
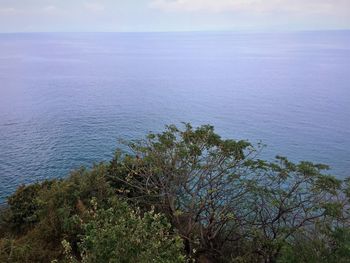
{"x":23,"y":207}
{"x":121,"y":234}
{"x":49,"y":212}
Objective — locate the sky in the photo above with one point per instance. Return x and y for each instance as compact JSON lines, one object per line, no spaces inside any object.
{"x":172,"y":15}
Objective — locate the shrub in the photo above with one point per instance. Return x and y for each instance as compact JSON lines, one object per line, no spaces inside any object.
{"x":121,"y":234}
{"x":49,"y":212}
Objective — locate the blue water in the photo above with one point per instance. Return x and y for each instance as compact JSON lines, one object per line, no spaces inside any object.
{"x":66,"y":99}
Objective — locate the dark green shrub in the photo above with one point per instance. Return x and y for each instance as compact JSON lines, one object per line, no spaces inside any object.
{"x":51,"y":211}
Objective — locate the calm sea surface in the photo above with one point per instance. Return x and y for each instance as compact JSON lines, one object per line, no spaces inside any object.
{"x":66,"y":99}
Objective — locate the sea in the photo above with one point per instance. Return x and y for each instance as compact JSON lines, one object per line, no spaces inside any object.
{"x":66,"y":99}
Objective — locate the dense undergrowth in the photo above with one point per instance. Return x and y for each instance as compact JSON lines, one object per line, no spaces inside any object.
{"x":185,"y":195}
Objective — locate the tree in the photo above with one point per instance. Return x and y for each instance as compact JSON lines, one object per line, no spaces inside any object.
{"x":193,"y":176}
{"x":220,"y":197}
{"x":287,"y":199}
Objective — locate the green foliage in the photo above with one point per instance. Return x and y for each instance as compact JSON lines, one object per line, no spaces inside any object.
{"x":183,"y":191}
{"x":10,"y":251}
{"x":121,"y":234}
{"x":324,"y":246}
{"x":224,"y":201}
{"x":24,"y":207}
{"x":50,"y":212}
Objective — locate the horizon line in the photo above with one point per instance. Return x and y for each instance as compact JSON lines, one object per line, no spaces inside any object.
{"x":185,"y":31}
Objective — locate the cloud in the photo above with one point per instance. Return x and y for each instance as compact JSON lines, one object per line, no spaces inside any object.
{"x":253,"y":6}
{"x":8,"y":11}
{"x":169,"y":15}
{"x":51,"y":10}
{"x":94,"y":7}
{"x":200,"y":5}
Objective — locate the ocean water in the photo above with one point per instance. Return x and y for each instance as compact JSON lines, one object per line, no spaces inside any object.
{"x":66,"y":99}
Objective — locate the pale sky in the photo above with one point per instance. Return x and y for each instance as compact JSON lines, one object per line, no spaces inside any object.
{"x":172,"y":15}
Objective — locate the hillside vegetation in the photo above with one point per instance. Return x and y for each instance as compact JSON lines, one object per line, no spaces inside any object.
{"x":184,"y":195}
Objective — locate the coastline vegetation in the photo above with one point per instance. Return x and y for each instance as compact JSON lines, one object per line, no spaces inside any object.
{"x":183,"y":195}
